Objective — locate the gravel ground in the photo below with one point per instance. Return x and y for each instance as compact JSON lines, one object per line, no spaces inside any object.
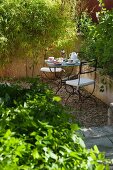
{"x":91,"y":112}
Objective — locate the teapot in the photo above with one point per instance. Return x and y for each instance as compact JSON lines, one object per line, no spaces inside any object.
{"x":73,"y":56}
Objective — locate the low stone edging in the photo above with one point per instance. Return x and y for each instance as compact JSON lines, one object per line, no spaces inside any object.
{"x":110,"y":114}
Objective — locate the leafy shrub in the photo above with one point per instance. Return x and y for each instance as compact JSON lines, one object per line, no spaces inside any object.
{"x":10,"y":93}
{"x":99,"y":42}
{"x":27,"y":27}
{"x":48,"y":148}
{"x":84,"y":23}
{"x":37,"y":134}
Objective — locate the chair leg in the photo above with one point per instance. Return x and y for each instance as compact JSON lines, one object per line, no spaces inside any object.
{"x":47,"y":77}
{"x":68,"y":98}
{"x":70,"y":93}
{"x":83,"y":97}
{"x":59,"y":87}
{"x":79,"y":95}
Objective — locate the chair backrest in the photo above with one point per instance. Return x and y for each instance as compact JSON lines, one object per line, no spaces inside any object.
{"x":88,"y":67}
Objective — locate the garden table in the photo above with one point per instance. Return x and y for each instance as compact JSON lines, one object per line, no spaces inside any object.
{"x":67,"y":71}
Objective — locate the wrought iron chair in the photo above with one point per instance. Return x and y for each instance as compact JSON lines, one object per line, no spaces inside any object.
{"x":86,"y":69}
{"x":46,"y":70}
{"x":51,"y":74}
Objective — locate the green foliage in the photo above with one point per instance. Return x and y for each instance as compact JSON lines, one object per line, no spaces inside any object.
{"x":11,"y":93}
{"x":99,"y":41}
{"x":84,"y":24}
{"x":37,"y":135}
{"x":27,"y":27}
{"x":47,"y":149}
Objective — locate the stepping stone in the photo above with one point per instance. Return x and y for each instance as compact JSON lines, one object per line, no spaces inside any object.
{"x":100,"y":136}
{"x":103,"y":142}
{"x":97,"y":131}
{"x":111,"y":138}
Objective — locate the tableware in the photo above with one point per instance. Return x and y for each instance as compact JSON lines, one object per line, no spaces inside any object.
{"x":70,"y":61}
{"x":51,"y":58}
{"x":76,"y":61}
{"x":50,"y":61}
{"x":51,"y":64}
{"x":60,"y":60}
{"x":57,"y":63}
{"x":73,"y":56}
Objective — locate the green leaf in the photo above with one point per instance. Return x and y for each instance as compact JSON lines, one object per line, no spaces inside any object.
{"x":74,"y":127}
{"x":75,"y":155}
{"x":57,"y":99}
{"x":96,"y":149}
{"x":74,"y":137}
{"x":52,"y":155}
{"x":81,"y":142}
{"x":93,"y":156}
{"x":35,"y":154}
{"x":24,"y":167}
{"x":7,"y":134}
{"x":100,"y":167}
{"x":68,"y":150}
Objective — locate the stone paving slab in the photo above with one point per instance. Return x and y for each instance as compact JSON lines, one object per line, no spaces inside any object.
{"x":100,"y":136}
{"x":100,"y":142}
{"x":97,"y":131}
{"x":109,"y":154}
{"x":108,"y":130}
{"x":111,"y":138}
{"x":92,"y":132}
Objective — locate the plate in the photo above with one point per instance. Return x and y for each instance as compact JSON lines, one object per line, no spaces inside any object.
{"x":70,"y":63}
{"x":58,"y":64}
{"x":49,"y":61}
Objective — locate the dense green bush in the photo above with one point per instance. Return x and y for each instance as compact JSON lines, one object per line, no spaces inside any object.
{"x":28,"y":27}
{"x":10,"y":93}
{"x":36,"y":134}
{"x":98,"y":41}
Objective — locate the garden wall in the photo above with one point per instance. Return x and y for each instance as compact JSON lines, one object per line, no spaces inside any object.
{"x":20,"y":68}
{"x":104,"y":88}
{"x":107,"y":94}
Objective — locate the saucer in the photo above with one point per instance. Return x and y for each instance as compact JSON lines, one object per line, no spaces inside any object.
{"x":70,"y":63}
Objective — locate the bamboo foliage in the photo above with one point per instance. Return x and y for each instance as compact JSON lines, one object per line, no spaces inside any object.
{"x":29,"y":26}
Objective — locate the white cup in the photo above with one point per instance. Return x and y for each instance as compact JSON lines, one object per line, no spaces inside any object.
{"x":70,"y":61}
{"x":51,"y":58}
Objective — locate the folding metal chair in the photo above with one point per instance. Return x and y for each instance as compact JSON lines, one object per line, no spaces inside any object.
{"x":51,"y":74}
{"x":87,"y":70}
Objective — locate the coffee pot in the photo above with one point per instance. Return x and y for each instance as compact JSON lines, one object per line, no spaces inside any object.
{"x":73,"y":56}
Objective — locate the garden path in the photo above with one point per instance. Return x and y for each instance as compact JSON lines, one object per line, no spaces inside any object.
{"x":93,"y":120}
{"x":87,"y":113}
{"x":100,"y":136}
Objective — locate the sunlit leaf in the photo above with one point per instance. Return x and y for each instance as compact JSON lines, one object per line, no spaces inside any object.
{"x":96,"y":149}
{"x":100,"y":167}
{"x":57,"y":99}
{"x":35,"y":154}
